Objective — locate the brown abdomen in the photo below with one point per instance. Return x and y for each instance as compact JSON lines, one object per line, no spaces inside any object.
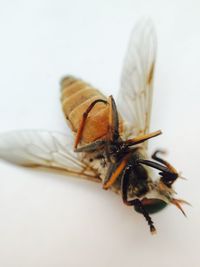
{"x":76,"y":96}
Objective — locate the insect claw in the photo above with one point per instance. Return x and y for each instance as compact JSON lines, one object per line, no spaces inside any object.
{"x":181,"y":177}
{"x":177,"y":203}
{"x":153,"y":230}
{"x":182,"y":201}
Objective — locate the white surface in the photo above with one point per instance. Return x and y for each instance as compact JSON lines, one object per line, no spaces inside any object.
{"x":49,"y":220}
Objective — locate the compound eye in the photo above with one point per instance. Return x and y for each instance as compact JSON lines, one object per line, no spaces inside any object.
{"x":152,"y":205}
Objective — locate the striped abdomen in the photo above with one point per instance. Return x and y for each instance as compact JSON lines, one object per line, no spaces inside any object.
{"x":76,"y":96}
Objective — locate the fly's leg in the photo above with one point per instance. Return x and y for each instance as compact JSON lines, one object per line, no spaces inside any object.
{"x":139,"y":206}
{"x":134,"y":202}
{"x":113,"y":136}
{"x":92,"y":147}
{"x":164,"y":162}
{"x":111,"y":169}
{"x":83,"y":120}
{"x":113,"y":127}
{"x":142,"y":138}
{"x":167,"y":178}
{"x":112,"y":177}
{"x":167,"y":172}
{"x":113,"y":130}
{"x":125,"y":185}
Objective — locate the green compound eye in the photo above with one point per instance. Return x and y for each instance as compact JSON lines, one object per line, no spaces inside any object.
{"x":152,"y":205}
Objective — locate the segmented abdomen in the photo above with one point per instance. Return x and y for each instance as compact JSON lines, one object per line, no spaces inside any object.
{"x":76,"y":96}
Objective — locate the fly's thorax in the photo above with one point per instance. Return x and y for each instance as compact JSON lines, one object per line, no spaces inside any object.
{"x":139,"y":178}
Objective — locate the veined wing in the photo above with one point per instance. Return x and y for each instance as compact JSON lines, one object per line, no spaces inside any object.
{"x":135,"y":96}
{"x":34,"y":148}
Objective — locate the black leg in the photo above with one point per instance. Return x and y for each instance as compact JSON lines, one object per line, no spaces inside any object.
{"x":113,"y":120}
{"x":164,"y":162}
{"x":92,"y":147}
{"x":171,"y":177}
{"x":125,"y":185}
{"x":168,"y":176}
{"x":154,"y":165}
{"x":135,"y":202}
{"x":139,"y":206}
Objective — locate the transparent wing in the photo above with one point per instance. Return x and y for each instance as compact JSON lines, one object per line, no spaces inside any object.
{"x":135,"y":95}
{"x":33,"y":148}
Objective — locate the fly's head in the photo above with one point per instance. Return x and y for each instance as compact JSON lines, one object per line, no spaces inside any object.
{"x":154,"y":195}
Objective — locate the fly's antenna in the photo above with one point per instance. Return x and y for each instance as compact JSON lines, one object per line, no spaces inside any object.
{"x":178,"y":202}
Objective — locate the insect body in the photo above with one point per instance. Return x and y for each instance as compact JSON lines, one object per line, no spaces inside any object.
{"x":76,"y":97}
{"x":110,"y":145}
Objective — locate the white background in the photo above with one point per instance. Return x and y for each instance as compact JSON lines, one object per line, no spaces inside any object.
{"x":51,"y":220}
